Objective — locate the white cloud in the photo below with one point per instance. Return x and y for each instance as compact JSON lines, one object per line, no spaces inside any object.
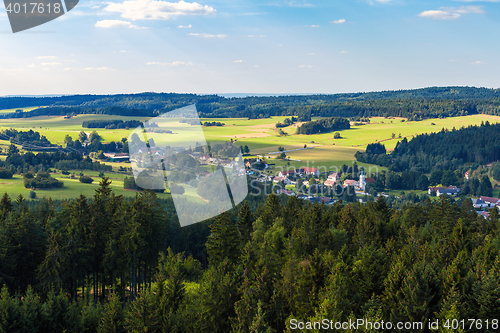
{"x":98,"y":69}
{"x":451,"y":13}
{"x":315,"y":26}
{"x":205,"y":35}
{"x":477,"y":63}
{"x":344,"y":52}
{"x":238,"y":61}
{"x":67,"y":69}
{"x":311,"y":54}
{"x":51,"y":63}
{"x":254,"y":36}
{"x":185,"y":26}
{"x":31,"y":66}
{"x":338,"y":21}
{"x":47,"y":57}
{"x":123,"y":51}
{"x":256,"y":66}
{"x":115,"y":24}
{"x":157,"y":10}
{"x":175,"y":63}
{"x":478,"y":0}
{"x":305,"y":66}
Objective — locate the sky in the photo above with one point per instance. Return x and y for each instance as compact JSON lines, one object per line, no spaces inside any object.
{"x":254,"y":46}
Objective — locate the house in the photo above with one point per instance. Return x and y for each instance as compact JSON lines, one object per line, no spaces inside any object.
{"x":299,"y":172}
{"x":451,"y":190}
{"x":326,"y":200}
{"x":330,"y":182}
{"x":478,"y":203}
{"x":351,"y":182}
{"x":484,"y":214}
{"x":492,"y":202}
{"x":248,"y":164}
{"x":334,"y":176}
{"x":434,"y":189}
{"x":306,"y":182}
{"x":286,"y":173}
{"x":467,"y":175}
{"x":311,"y":171}
{"x":121,"y":157}
{"x":286,"y":192}
{"x":279,"y":179}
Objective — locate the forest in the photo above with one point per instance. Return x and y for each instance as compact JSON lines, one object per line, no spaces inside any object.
{"x":417,"y":104}
{"x":323,"y":126}
{"x":444,"y":150}
{"x":111,"y":124}
{"x":110,"y":264}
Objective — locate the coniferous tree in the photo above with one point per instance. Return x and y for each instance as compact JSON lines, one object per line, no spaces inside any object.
{"x":223,"y":242}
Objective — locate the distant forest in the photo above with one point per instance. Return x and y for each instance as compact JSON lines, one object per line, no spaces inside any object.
{"x":416,"y":104}
{"x":111,"y":124}
{"x":323,"y":126}
{"x":445,"y":150}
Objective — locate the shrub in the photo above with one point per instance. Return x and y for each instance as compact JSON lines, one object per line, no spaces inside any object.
{"x":176,"y":189}
{"x":32,"y":194}
{"x":86,"y":179}
{"x":5,"y":173}
{"x":43,"y":180}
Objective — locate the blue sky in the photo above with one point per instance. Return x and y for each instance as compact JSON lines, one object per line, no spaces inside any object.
{"x":236,"y":46}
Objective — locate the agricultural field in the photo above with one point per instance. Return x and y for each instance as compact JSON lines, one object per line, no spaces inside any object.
{"x":260,"y":135}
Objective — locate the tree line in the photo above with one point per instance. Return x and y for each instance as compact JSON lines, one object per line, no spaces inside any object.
{"x":323,"y":126}
{"x":417,"y":104}
{"x":111,"y":124}
{"x":444,"y":150}
{"x":104,"y":265}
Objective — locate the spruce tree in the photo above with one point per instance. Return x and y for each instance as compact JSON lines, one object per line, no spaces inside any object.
{"x":223,"y":242}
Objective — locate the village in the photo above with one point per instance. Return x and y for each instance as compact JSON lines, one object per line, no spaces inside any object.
{"x":315,"y":186}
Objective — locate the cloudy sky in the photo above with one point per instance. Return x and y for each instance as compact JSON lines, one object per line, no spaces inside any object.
{"x":254,"y":46}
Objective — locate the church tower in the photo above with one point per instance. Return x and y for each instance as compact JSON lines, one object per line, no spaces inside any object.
{"x":362,"y":181}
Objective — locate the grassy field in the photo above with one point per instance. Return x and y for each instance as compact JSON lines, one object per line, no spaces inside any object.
{"x":259,"y":135}
{"x":4,"y":111}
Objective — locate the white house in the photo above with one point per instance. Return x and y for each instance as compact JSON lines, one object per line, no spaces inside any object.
{"x":312,"y":171}
{"x":478,"y":203}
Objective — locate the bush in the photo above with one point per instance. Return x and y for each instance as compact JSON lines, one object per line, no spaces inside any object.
{"x":43,"y":180}
{"x":64,"y":172}
{"x":86,"y":179}
{"x":176,"y":189}
{"x":32,"y":194}
{"x":5,"y":173}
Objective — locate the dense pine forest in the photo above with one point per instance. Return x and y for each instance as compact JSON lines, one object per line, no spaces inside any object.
{"x":110,"y":264}
{"x":323,"y":126}
{"x":444,"y":150}
{"x":418,"y":104}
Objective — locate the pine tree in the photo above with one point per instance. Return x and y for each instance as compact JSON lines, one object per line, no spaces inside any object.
{"x":223,"y":242}
{"x":245,"y":221}
{"x":142,"y":315}
{"x":259,"y":324}
{"x":112,"y":319}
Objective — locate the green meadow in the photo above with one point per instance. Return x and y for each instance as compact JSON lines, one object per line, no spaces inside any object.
{"x":260,"y":135}
{"x":4,"y":111}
